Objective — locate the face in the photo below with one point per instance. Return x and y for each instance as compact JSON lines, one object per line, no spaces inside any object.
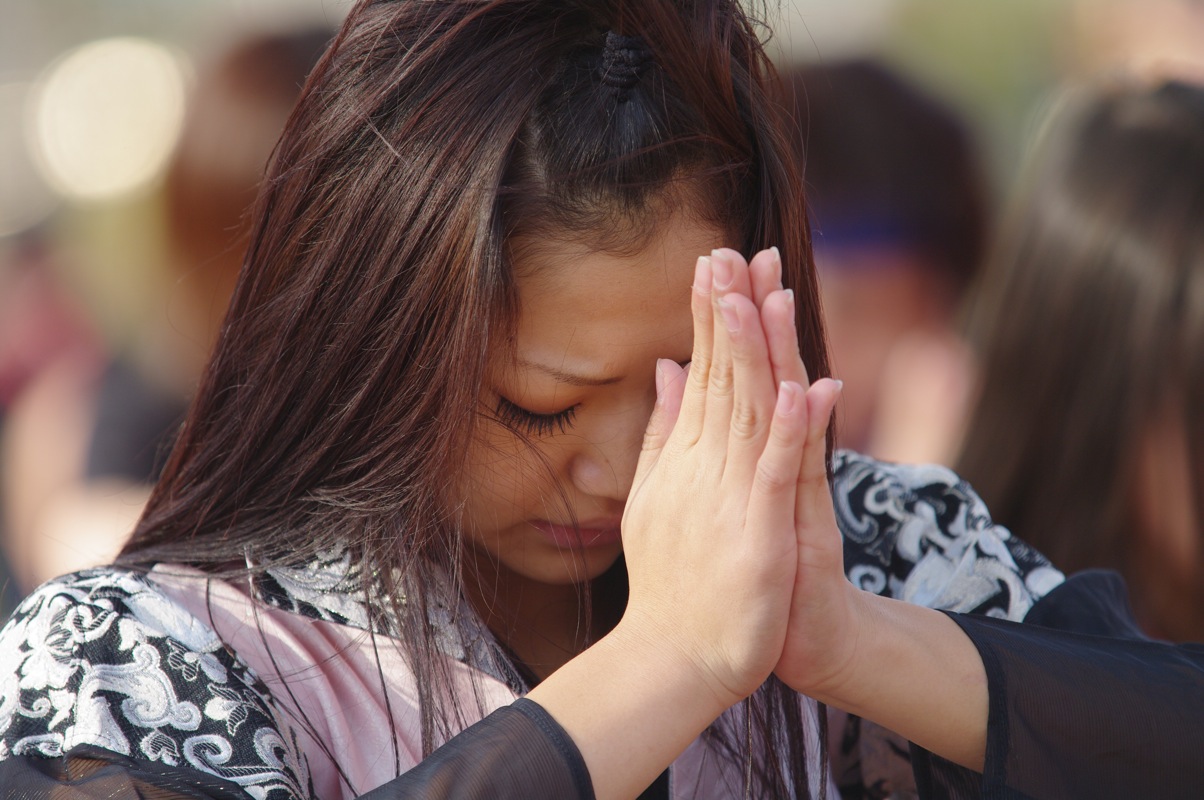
{"x":875,"y":298}
{"x":564,"y":413}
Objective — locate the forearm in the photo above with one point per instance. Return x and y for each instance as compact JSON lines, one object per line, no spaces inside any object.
{"x":914,"y":671}
{"x":631,"y":706}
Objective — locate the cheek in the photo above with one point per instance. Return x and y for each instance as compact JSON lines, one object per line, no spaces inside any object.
{"x":504,"y":478}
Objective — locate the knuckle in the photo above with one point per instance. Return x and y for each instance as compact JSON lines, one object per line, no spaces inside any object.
{"x":722,"y":379}
{"x":698,"y":374}
{"x":810,"y":476}
{"x":786,"y":436}
{"x":746,"y":423}
{"x":770,"y":479}
{"x":675,"y":449}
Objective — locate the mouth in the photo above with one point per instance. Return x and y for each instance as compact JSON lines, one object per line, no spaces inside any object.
{"x":587,"y":534}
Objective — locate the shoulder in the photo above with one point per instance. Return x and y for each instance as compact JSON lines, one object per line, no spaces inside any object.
{"x":104,"y":658}
{"x":875,"y":497}
{"x":920,"y":533}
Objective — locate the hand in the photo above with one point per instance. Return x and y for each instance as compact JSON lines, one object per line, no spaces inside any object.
{"x":823,"y":629}
{"x":736,"y":564}
{"x":709,"y":528}
{"x":839,"y":636}
{"x":725,"y":492}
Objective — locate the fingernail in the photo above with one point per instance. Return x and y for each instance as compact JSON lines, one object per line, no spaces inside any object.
{"x":731,"y":317}
{"x":789,"y":297}
{"x":777,"y":257}
{"x":702,"y":275}
{"x":839,"y":386}
{"x":787,"y":397}
{"x":721,"y":269}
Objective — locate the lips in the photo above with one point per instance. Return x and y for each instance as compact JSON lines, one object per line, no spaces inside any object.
{"x":587,"y":534}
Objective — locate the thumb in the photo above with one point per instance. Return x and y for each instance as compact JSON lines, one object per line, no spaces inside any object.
{"x":813,"y":500}
{"x":670,"y":388}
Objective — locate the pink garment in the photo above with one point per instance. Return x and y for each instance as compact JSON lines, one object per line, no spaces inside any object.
{"x":332,"y":676}
{"x":329,"y":672}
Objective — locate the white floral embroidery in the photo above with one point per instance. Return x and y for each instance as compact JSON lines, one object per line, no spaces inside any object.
{"x":103,"y":658}
{"x":329,"y":590}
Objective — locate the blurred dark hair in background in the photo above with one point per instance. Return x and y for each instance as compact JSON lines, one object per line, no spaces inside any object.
{"x":900,"y":209}
{"x":887,"y":163}
{"x":1088,"y":438}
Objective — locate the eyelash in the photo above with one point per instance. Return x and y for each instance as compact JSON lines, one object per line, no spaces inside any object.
{"x":531,"y":423}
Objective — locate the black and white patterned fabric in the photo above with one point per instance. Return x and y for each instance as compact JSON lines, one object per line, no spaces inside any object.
{"x":919,"y":533}
{"x":104,"y":659}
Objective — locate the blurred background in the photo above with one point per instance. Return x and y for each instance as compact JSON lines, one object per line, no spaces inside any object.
{"x":132,"y":133}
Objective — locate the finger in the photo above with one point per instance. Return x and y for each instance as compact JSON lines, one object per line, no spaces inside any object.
{"x":772,"y":500}
{"x":765,"y":274}
{"x":729,"y":274}
{"x":813,"y":501}
{"x":670,"y":388}
{"x":693,"y":403}
{"x":753,"y":389}
{"x":781,"y":333}
{"x":740,"y":281}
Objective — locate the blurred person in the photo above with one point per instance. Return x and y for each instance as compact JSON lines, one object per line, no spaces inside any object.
{"x":40,"y":324}
{"x":1140,"y":37}
{"x":899,"y":209}
{"x":40,"y":320}
{"x":1088,"y":435}
{"x":86,"y":440}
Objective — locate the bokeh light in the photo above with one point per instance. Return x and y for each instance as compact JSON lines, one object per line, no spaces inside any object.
{"x":106,"y":116}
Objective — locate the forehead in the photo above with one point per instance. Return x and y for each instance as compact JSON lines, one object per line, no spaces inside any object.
{"x":602,"y":307}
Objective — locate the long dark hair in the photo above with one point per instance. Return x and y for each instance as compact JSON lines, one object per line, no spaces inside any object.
{"x":1090,"y":316}
{"x":339,"y":401}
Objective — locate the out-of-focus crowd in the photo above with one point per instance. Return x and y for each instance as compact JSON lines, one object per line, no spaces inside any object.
{"x":1046,"y":344}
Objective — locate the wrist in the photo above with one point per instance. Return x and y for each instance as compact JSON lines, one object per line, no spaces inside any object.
{"x":821,"y":659}
{"x":631,"y":705}
{"x":680,"y":662}
{"x":837,"y":680}
{"x":914,"y":671}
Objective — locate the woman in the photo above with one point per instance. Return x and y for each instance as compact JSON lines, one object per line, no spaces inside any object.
{"x":420,"y":484}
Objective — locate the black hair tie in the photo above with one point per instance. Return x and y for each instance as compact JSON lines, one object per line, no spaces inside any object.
{"x":624,"y":59}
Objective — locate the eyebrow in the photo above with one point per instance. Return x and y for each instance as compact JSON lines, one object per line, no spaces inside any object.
{"x":570,"y":378}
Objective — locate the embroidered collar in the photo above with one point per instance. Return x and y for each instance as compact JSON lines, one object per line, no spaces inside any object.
{"x":331,"y":588}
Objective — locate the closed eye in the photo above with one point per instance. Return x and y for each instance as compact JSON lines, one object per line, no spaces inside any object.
{"x":516,"y":417}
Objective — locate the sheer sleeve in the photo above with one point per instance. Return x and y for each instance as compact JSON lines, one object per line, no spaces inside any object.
{"x":516,"y":753}
{"x":1082,"y":705}
{"x":90,"y":773}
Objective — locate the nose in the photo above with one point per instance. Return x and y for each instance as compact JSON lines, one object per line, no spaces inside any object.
{"x":604,"y":464}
